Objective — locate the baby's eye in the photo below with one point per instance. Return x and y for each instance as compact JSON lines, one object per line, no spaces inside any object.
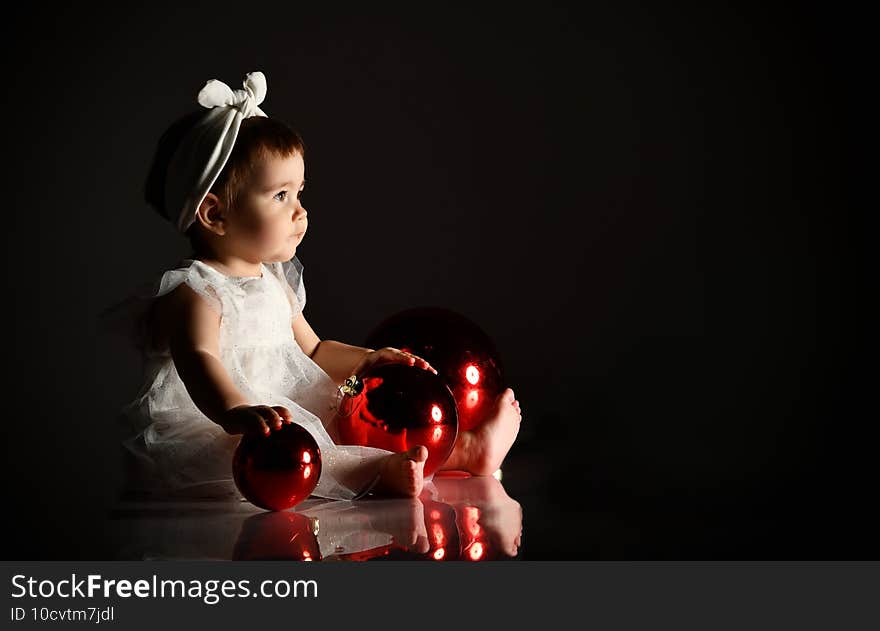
{"x":299,"y":194}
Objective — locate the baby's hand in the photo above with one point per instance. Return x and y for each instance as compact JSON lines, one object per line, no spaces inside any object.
{"x":390,"y":355}
{"x":255,"y":420}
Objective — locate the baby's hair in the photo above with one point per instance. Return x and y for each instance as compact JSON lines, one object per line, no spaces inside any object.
{"x":257,"y":137}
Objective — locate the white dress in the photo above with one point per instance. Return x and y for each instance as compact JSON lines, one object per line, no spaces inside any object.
{"x":177,"y":451}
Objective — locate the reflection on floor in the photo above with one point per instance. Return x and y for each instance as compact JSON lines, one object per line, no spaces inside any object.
{"x":456,"y":518}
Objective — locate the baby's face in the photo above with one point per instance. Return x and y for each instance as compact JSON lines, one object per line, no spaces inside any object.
{"x":270,"y":221}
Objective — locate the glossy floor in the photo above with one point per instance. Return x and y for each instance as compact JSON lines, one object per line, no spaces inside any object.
{"x":455,"y":518}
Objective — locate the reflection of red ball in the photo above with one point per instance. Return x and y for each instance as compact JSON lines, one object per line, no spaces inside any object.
{"x":460,"y":350}
{"x":286,"y":535}
{"x":277,"y":471}
{"x":400,"y":407}
{"x":443,"y":536}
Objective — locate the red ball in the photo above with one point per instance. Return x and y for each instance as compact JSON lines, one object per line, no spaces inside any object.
{"x":400,"y":407}
{"x":461,"y":352}
{"x":277,"y":471}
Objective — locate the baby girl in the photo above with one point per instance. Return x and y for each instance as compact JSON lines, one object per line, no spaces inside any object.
{"x":227,"y":346}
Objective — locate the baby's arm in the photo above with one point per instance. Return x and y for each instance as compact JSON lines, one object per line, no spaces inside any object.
{"x":338,"y":360}
{"x":194,"y":345}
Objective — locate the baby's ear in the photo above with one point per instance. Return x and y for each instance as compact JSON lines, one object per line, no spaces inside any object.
{"x":211,"y":214}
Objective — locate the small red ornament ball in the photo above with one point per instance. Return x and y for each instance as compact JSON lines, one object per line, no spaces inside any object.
{"x":461,"y":352}
{"x":278,"y":471}
{"x":398,"y":408}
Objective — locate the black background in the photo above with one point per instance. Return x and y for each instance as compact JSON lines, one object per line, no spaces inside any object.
{"x":655,"y":212}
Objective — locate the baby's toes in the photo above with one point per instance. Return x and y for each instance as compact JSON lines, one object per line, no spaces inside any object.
{"x":419,"y":453}
{"x":508,"y":396}
{"x":504,"y":398}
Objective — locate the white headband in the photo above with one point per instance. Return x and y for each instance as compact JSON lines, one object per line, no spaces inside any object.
{"x":204,"y":150}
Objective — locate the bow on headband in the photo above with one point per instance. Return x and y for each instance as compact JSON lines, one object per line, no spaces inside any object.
{"x":203,"y":153}
{"x":217,"y":94}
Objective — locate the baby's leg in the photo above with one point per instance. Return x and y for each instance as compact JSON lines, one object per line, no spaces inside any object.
{"x":481,"y":450}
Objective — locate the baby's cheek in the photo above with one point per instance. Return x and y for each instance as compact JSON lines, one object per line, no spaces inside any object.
{"x":255,"y":231}
{"x":275,"y":240}
{"x":269,"y":235}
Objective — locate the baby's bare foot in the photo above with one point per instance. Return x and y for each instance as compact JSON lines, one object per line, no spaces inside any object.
{"x":403,"y":473}
{"x":481,"y":450}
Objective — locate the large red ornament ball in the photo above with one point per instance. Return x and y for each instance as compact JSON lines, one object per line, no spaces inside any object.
{"x":398,"y":408}
{"x":461,"y":352}
{"x":277,"y":471}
